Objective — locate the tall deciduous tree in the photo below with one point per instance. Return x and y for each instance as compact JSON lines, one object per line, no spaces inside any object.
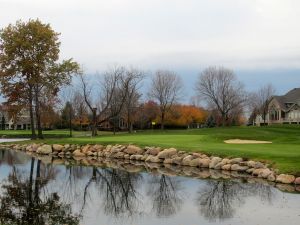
{"x":112,"y":90}
{"x":262,"y":98}
{"x":221,"y":90}
{"x":29,"y":54}
{"x":80,"y":109}
{"x":133,"y":78}
{"x":166,"y":88}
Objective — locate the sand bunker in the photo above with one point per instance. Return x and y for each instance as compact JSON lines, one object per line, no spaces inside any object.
{"x":239,"y":141}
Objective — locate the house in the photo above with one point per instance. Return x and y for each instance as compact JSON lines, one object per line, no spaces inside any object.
{"x":283,"y":109}
{"x":14,"y":122}
{"x":119,"y":123}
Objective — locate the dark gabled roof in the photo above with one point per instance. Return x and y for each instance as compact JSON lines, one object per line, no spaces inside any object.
{"x":289,"y":99}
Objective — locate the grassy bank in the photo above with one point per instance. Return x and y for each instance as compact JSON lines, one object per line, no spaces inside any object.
{"x":283,"y":153}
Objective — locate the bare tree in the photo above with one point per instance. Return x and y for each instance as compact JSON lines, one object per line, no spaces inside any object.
{"x":112,"y":89}
{"x":114,"y":93}
{"x":134,"y":77}
{"x":166,"y":88}
{"x":79,"y":107}
{"x":220,"y":88}
{"x":262,"y":98}
{"x":86,"y":92}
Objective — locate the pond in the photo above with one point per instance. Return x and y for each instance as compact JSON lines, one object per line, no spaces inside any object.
{"x":34,"y":192}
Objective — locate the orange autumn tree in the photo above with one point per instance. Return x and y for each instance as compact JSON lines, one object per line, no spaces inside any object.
{"x":184,"y":115}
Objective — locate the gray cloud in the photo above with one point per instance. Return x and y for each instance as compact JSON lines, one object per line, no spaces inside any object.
{"x":175,"y":34}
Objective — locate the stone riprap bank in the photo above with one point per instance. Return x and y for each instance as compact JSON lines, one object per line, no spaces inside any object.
{"x":158,"y":155}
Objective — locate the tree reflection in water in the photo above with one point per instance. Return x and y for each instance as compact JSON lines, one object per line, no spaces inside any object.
{"x":39,"y":195}
{"x":218,"y":200}
{"x":25,"y":200}
{"x":166,"y":194}
{"x":118,"y":190}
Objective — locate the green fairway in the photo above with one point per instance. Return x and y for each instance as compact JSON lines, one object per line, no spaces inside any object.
{"x":283,"y":153}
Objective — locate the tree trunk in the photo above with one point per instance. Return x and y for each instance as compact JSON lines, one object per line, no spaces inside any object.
{"x":31,"y":180}
{"x":94,"y":176}
{"x":70,"y":120}
{"x":33,"y":134}
{"x":94,"y":126}
{"x":129,"y":124}
{"x":264,"y":115}
{"x":114,"y":126}
{"x":37,"y":114}
{"x":162,"y":121}
{"x":223,"y":119}
{"x":37,"y":181}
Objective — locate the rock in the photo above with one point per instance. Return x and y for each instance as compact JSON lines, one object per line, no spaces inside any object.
{"x":196,"y":155}
{"x":133,"y":150}
{"x":85,"y":149}
{"x":45,"y":149}
{"x":204,"y":163}
{"x":186,"y":160}
{"x":265,"y":173}
{"x":167,"y":153}
{"x":119,"y":155}
{"x":285,"y":179}
{"x":145,"y":156}
{"x":61,"y":154}
{"x":236,"y":167}
{"x":153,"y":151}
{"x":297,"y":181}
{"x":195,"y":162}
{"x":29,"y":148}
{"x":116,"y":149}
{"x":57,"y":148}
{"x":108,"y":148}
{"x":219,"y":166}
{"x":126,"y":156}
{"x":136,"y":157}
{"x":271,"y":177}
{"x":236,"y":161}
{"x":226,"y":167}
{"x":177,"y":160}
{"x":168,"y":161}
{"x":214,"y":161}
{"x":153,"y":159}
{"x":250,"y":170}
{"x":256,"y":172}
{"x":98,"y":148}
{"x":33,"y":147}
{"x":222,"y":163}
{"x":78,"y":153}
{"x":256,"y":165}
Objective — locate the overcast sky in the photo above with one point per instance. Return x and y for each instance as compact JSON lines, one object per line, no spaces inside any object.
{"x":258,"y":39}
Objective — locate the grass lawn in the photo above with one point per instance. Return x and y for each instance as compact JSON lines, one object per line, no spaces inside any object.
{"x":283,"y":153}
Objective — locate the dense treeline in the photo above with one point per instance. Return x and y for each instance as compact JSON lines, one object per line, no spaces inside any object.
{"x":32,"y":77}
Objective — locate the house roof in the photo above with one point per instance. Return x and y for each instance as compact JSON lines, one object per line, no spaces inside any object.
{"x":289,"y":99}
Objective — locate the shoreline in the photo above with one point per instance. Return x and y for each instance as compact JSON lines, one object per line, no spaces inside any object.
{"x":165,"y":157}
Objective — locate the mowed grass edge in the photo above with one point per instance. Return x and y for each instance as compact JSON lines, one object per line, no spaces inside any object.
{"x":283,"y":153}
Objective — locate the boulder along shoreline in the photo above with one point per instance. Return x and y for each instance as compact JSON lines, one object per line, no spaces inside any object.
{"x":169,"y":158}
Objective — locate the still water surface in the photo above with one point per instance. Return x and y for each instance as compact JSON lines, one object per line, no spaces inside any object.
{"x":34,"y":193}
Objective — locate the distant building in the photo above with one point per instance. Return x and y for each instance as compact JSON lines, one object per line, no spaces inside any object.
{"x":17,"y":122}
{"x":283,"y":109}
